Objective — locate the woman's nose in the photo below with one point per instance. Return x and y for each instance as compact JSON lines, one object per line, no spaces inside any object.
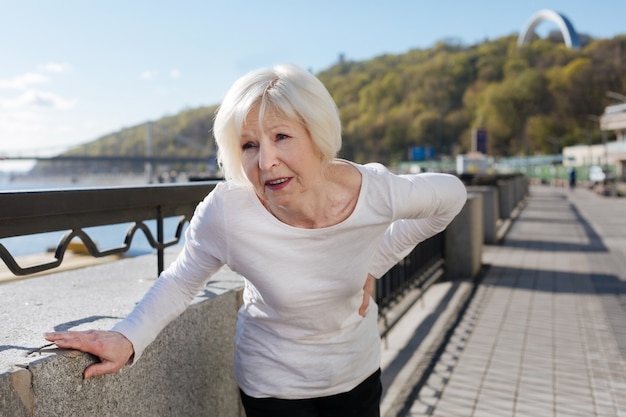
{"x":268,"y":157}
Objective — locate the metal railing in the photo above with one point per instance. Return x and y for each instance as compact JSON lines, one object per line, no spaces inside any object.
{"x":25,"y":213}
{"x":422,"y":267}
{"x":412,"y":271}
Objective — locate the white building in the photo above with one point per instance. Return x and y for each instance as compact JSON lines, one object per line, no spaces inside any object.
{"x":608,"y":153}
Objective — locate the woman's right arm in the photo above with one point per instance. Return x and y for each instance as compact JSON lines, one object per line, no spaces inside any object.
{"x":168,"y":297}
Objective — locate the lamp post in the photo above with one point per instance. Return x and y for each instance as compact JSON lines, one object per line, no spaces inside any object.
{"x":148,"y":153}
{"x":604,"y":144}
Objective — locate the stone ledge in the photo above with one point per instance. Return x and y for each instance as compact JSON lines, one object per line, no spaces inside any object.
{"x":36,"y":380}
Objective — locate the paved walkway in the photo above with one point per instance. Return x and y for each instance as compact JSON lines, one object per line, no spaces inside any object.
{"x":545,"y":332}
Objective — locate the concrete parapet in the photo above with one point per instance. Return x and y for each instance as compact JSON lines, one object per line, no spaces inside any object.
{"x":506,"y":197}
{"x":521,"y":188}
{"x":491,"y":211}
{"x":511,"y":192}
{"x":16,"y":393}
{"x":187,"y":371}
{"x":464,"y":240}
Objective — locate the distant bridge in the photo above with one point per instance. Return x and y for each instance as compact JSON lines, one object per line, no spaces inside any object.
{"x":570,"y":37}
{"x":44,"y":154}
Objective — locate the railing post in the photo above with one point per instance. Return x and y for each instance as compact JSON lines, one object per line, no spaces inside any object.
{"x":161,"y":241}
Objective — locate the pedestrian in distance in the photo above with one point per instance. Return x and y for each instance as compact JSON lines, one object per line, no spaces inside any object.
{"x":308,"y":232}
{"x":572,"y":178}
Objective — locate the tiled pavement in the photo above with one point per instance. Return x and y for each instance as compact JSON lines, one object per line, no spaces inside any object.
{"x":545,"y":332}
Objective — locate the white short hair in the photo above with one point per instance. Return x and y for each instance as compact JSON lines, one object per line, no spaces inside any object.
{"x":288,"y":90}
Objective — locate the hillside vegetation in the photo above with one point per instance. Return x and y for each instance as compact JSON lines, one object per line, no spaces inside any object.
{"x":534,"y":100}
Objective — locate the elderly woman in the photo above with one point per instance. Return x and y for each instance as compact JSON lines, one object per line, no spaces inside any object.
{"x":304,"y":229}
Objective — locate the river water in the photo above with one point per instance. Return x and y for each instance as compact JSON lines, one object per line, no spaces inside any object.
{"x":105,"y":237}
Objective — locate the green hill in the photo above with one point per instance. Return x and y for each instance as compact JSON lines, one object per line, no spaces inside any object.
{"x":534,"y":100}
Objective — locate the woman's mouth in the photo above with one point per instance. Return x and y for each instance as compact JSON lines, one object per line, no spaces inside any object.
{"x":277,"y":183}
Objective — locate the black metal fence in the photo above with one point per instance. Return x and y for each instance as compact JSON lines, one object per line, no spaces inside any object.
{"x":73,"y":210}
{"x":423,"y":266}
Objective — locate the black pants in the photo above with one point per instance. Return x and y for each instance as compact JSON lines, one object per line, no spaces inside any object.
{"x":362,"y":401}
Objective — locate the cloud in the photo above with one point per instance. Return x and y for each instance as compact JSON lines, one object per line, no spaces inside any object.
{"x":19,"y":127}
{"x":18,"y":119}
{"x":54,"y":67}
{"x":64,"y":128}
{"x":147,"y":75}
{"x":38,"y":99}
{"x":165,"y":91}
{"x":175,"y":73}
{"x":89,"y":124}
{"x":22,"y":82}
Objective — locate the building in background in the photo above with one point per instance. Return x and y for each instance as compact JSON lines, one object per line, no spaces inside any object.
{"x":607,"y":153}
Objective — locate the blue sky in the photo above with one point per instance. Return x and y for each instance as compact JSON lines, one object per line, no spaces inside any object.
{"x":73,"y":70}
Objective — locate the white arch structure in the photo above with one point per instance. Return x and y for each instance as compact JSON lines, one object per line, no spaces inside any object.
{"x":567,"y":29}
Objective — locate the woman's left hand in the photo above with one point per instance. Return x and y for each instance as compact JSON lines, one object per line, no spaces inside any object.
{"x":367,"y":294}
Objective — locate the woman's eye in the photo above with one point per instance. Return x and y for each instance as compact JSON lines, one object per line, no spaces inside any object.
{"x":247,"y":145}
{"x":281,"y":136}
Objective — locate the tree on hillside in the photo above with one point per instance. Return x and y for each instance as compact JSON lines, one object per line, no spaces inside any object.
{"x":534,"y":99}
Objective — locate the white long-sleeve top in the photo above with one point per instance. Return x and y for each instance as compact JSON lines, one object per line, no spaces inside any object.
{"x":403,"y":235}
{"x":299,"y":333}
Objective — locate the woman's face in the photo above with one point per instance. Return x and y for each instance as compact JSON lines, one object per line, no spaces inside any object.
{"x":279,"y":159}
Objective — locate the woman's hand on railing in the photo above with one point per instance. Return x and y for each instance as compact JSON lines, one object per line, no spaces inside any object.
{"x":113,"y":348}
{"x":367,"y":294}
